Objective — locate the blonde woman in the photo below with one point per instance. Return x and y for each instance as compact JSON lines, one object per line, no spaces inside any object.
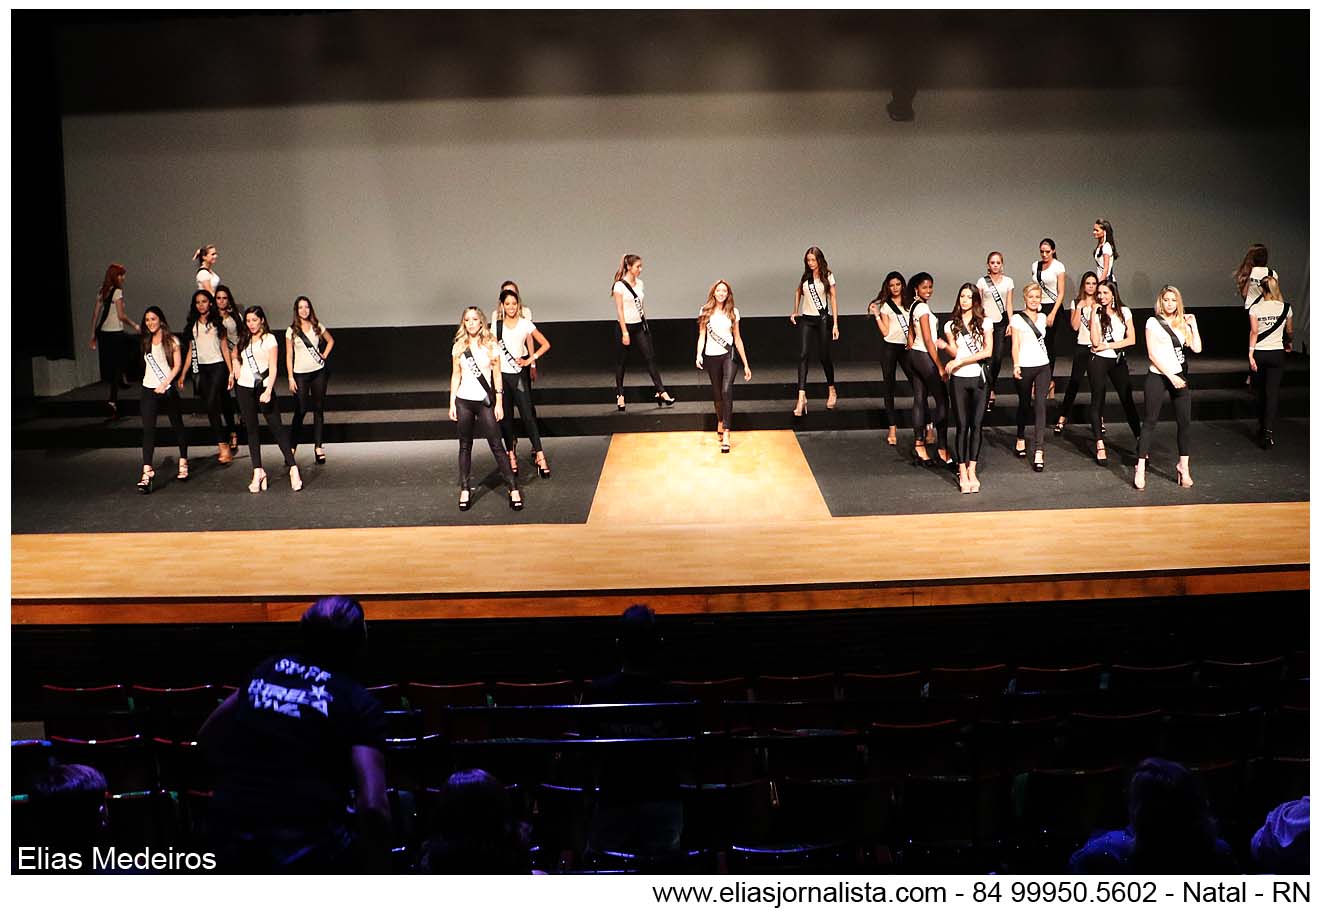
{"x":718,"y":338}
{"x":1032,"y":370}
{"x":477,"y":399}
{"x":1168,"y":332}
{"x":1271,"y":332}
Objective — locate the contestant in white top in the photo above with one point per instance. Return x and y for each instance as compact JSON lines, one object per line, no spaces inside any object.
{"x":1271,"y":337}
{"x":630,"y":312}
{"x":256,"y":366}
{"x":718,"y":338}
{"x":1105,"y":252}
{"x":997,"y":290}
{"x":1168,"y":332}
{"x":518,"y":361}
{"x":1049,"y":272}
{"x":928,"y":376}
{"x":1248,"y":277}
{"x":1112,"y":332}
{"x":969,"y":335}
{"x":207,"y":360}
{"x":231,"y":318}
{"x":308,"y":346}
{"x":891,"y":312}
{"x":477,"y":401}
{"x":1032,"y":371}
{"x":1080,"y":323}
{"x":110,"y":339}
{"x":814,"y":300}
{"x":510,"y":284}
{"x":162,"y":361}
{"x":205,"y":257}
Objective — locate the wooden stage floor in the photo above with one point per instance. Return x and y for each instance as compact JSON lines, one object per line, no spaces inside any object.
{"x":691,"y":530}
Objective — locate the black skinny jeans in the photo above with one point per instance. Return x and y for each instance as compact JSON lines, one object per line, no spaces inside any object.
{"x":483,"y":416}
{"x":640,"y":340}
{"x":1078,"y":372}
{"x":114,"y":351}
{"x":1029,"y":397}
{"x":1099,"y":368}
{"x":969,"y":394}
{"x":311,"y":396}
{"x":819,"y":327}
{"x":720,"y":370}
{"x":209,"y":385}
{"x":926,"y":381}
{"x":518,"y":388}
{"x":229,"y":404}
{"x":1155,"y":388}
{"x":1267,"y":387}
{"x":893,"y":355}
{"x":1000,"y":347}
{"x":152,"y":404}
{"x":250,"y":406}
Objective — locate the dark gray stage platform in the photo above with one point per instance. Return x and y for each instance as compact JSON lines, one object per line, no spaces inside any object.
{"x":859,"y":475}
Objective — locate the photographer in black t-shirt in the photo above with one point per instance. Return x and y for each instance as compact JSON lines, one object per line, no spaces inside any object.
{"x":289,"y":748}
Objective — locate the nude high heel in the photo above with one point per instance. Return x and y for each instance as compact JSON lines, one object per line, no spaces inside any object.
{"x":1140,"y":475}
{"x":258,"y":481}
{"x":295,"y":479}
{"x":801,"y":408}
{"x":1182,"y":476}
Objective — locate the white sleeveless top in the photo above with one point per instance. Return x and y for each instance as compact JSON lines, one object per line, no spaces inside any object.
{"x":154,"y":376}
{"x":632,"y":314}
{"x":206,"y":344}
{"x":1161,"y":346}
{"x":1268,"y":314}
{"x":719,"y":326}
{"x":304,"y":362}
{"x":1032,"y":349}
{"x":968,"y":344}
{"x":516,"y":342}
{"x":920,"y":312}
{"x":1117,"y":331}
{"x":469,"y":387}
{"x":261,"y":354}
{"x":1004,"y":286}
{"x":899,"y":324}
{"x":203,"y":275}
{"x":816,"y":300}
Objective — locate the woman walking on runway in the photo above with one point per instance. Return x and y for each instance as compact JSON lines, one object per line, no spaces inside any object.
{"x":161,"y":364}
{"x":228,"y":309}
{"x":718,"y":337}
{"x":1271,"y":334}
{"x":257,"y":364}
{"x":308,"y":364}
{"x":477,"y":398}
{"x":205,"y":257}
{"x":627,"y":290}
{"x":1032,"y":371}
{"x":928,"y":376}
{"x":891,"y":312}
{"x":1112,"y":331}
{"x":1248,"y":277}
{"x":517,"y":363}
{"x":207,"y":358}
{"x":1081,"y":323}
{"x":1168,"y":332}
{"x":110,"y":341}
{"x":969,"y":337}
{"x":1106,"y":252}
{"x":997,"y":290}
{"x":1049,"y":272}
{"x":814,"y":301}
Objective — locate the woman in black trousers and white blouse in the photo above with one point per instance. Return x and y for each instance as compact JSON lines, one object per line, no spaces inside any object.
{"x":1168,"y":332}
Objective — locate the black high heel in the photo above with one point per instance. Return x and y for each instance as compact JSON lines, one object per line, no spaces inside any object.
{"x":516,"y":505}
{"x":543,"y":470}
{"x":514,"y":463}
{"x":319,"y":456}
{"x":465,"y":499}
{"x":663,"y":401}
{"x":114,"y":411}
{"x":1268,"y":441}
{"x":1022,"y":453}
{"x":1037,"y":462}
{"x":1060,"y":426}
{"x":920,"y":460}
{"x":619,"y":403}
{"x":144,"y":485}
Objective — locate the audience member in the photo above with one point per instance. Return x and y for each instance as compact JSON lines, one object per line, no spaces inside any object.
{"x":290,"y":747}
{"x":638,"y":679}
{"x":1170,"y":829}
{"x":67,"y":811}
{"x":1281,"y":845}
{"x":475,"y":830}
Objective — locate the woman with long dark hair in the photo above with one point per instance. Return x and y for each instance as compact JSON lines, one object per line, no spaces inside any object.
{"x":161,"y":364}
{"x":928,"y":376}
{"x":997,"y":290}
{"x":1167,"y":333}
{"x":814,"y":301}
{"x":227,"y":307}
{"x":205,"y":258}
{"x":1049,"y":273}
{"x":1085,"y":300}
{"x":1271,"y":334}
{"x":207,"y":358}
{"x":891,"y":312}
{"x":969,"y":334}
{"x":1106,"y":252}
{"x":627,"y":292}
{"x":110,"y":340}
{"x":1112,"y":331}
{"x":1248,"y":277}
{"x":308,"y":347}
{"x":718,"y":339}
{"x":517,"y":362}
{"x":1032,"y":371}
{"x":477,"y":401}
{"x":257,"y":366}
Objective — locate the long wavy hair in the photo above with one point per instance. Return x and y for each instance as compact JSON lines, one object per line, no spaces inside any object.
{"x":1083,"y":280}
{"x":976,"y":316}
{"x":884,"y":295}
{"x":1257,"y":256}
{"x":911,"y":295}
{"x":461,"y":337}
{"x":1116,"y":303}
{"x":245,"y":337}
{"x":213,"y":314}
{"x":823,"y":270}
{"x":114,"y":279}
{"x":711,"y":306}
{"x":168,"y":341}
{"x":626,"y":261}
{"x":295,"y":322}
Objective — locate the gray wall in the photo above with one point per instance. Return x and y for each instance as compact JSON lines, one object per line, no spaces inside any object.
{"x":402,"y":212}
